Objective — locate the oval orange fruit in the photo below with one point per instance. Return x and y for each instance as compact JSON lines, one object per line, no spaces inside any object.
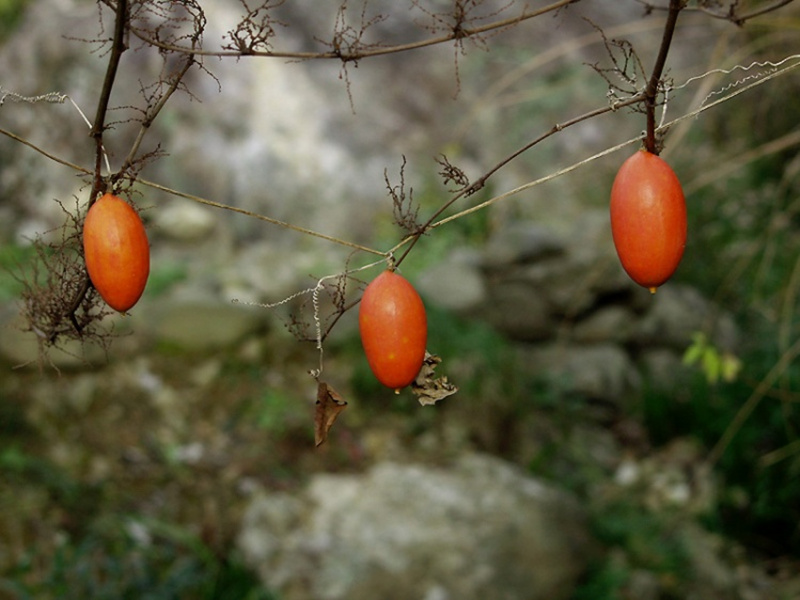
{"x":394,"y":329}
{"x":116,"y":251}
{"x":648,"y":219}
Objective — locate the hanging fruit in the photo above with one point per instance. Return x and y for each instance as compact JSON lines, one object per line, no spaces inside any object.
{"x":648,"y":219}
{"x":116,"y":252}
{"x":393,"y":328}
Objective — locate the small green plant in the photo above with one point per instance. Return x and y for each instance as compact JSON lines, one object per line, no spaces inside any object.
{"x":275,"y":411}
{"x":14,"y":260}
{"x":603,"y":581}
{"x":164,"y":275}
{"x":715,"y":365}
{"x":749,"y":444}
{"x":122,"y":559}
{"x":11,"y":12}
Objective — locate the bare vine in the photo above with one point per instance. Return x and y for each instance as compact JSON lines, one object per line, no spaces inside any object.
{"x":654,"y":83}
{"x":726,"y":11}
{"x":404,"y":209}
{"x":60,"y":303}
{"x":58,"y":300}
{"x":254,"y":33}
{"x":347,"y":41}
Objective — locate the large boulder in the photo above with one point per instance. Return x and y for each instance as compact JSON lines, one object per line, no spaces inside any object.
{"x":478,"y":529}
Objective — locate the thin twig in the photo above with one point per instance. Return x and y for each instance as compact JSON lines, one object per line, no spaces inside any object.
{"x":565,"y":170}
{"x":261,"y":217}
{"x":757,"y":12}
{"x":117,"y":48}
{"x":153,"y":113}
{"x":730,"y":14}
{"x":690,"y":115}
{"x":338,"y":54}
{"x":198,"y":199}
{"x":742,"y":18}
{"x":752,"y":402}
{"x":45,"y":153}
{"x":481,"y":181}
{"x":653,"y":84}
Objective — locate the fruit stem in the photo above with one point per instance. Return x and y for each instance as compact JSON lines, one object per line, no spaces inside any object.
{"x":651,"y":91}
{"x":652,"y":289}
{"x":118,"y":46}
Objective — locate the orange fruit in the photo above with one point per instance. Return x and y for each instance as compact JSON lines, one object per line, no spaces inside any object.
{"x":116,"y":251}
{"x":648,"y":219}
{"x":394,"y":329}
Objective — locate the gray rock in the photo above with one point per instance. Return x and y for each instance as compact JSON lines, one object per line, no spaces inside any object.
{"x":612,"y":323}
{"x":665,"y":371}
{"x":599,"y":372}
{"x":456,"y":283}
{"x":643,"y":585}
{"x":676,"y":312}
{"x":588,"y":272}
{"x":185,"y":221}
{"x":570,"y":275}
{"x":199,"y":325}
{"x":519,"y":310}
{"x":20,"y":347}
{"x":521,"y":242}
{"x":481,"y":529}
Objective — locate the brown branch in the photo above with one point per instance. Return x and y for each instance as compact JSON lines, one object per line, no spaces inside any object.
{"x":651,"y":91}
{"x":338,"y":54}
{"x":98,"y":128}
{"x":764,"y":386}
{"x":150,"y":116}
{"x":481,"y":181}
{"x":200,"y":200}
{"x":757,"y":12}
{"x":260,"y":217}
{"x":730,"y":14}
{"x":117,"y":48}
{"x":45,"y":153}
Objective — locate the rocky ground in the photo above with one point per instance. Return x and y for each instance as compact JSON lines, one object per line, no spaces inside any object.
{"x":190,"y":437}
{"x":201,"y":416}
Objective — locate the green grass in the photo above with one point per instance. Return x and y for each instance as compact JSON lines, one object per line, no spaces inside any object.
{"x":11,"y":12}
{"x":121,"y":559}
{"x":15,"y":263}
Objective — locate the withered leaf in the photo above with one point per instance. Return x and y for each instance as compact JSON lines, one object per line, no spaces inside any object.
{"x":428,"y":388}
{"x":329,"y":405}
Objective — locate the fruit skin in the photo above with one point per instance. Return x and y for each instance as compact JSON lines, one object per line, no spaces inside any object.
{"x":394,"y":329}
{"x":648,"y":219}
{"x":116,"y":251}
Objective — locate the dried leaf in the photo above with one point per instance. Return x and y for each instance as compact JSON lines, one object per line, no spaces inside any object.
{"x":329,"y":405}
{"x":428,"y":388}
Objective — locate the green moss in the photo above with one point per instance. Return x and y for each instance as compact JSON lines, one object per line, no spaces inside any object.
{"x":11,"y":12}
{"x":123,"y":558}
{"x":15,"y":264}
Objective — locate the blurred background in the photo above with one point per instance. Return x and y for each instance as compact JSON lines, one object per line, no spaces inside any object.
{"x":604,"y":443}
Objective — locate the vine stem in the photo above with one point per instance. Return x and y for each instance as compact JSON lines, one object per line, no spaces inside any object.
{"x":778,"y":72}
{"x":117,"y":48}
{"x":648,"y":97}
{"x":526,"y":186}
{"x":651,"y":91}
{"x":247,"y":213}
{"x":153,"y":113}
{"x":338,"y":54}
{"x":730,"y":14}
{"x":481,"y":181}
{"x":98,"y":127}
{"x":752,"y":402}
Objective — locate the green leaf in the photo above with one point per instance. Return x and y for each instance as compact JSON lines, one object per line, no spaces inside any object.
{"x":730,"y":366}
{"x":695,"y":351}
{"x":711,"y":365}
